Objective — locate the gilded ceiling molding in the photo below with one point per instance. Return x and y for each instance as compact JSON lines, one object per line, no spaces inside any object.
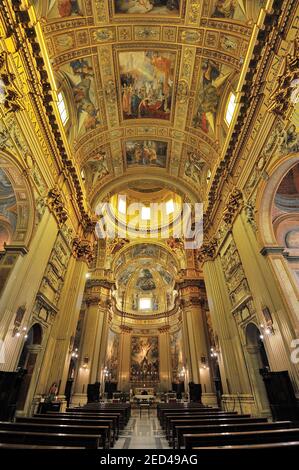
{"x":252,"y":94}
{"x":164,"y":329}
{"x":83,"y":250}
{"x":126,"y":329}
{"x":20,"y":27}
{"x":281,"y":98}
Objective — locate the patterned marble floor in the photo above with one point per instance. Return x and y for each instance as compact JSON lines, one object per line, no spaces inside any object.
{"x":142,"y":432}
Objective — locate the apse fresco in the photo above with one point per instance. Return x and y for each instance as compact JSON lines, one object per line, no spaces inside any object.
{"x":144,"y":358}
{"x":167,"y":278}
{"x":229,"y":9}
{"x":153,"y":7}
{"x":151,"y":251}
{"x":95,"y":170}
{"x":176,"y":350}
{"x":65,"y":8}
{"x":147,"y":83}
{"x":145,"y":281}
{"x":125,"y":276}
{"x":8,"y":210}
{"x":112,"y":355}
{"x":146,"y":153}
{"x":80,"y":76}
{"x":212,"y":81}
{"x":194,"y":167}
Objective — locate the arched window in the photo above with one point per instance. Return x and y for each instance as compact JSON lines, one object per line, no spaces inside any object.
{"x":230,"y":108}
{"x":62,"y":108}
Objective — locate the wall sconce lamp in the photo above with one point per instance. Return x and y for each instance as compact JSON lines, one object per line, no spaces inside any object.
{"x":203,"y":361}
{"x":75,"y":354}
{"x":85,"y":362}
{"x":214,"y":353}
{"x":18,"y":332}
{"x":266,"y":330}
{"x":267,"y":327}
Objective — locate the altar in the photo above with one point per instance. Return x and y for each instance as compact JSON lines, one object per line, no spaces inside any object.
{"x":142,"y":390}
{"x":144,"y":398}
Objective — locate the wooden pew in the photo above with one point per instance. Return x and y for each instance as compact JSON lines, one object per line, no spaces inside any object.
{"x":192,"y":422}
{"x":124,"y":414}
{"x":115,"y":418}
{"x":200,"y":409}
{"x":35,"y":447}
{"x":53,"y":439}
{"x":279,"y":447}
{"x":103,"y":429}
{"x":240,"y":438}
{"x":123,"y":408}
{"x":215,"y":428}
{"x":167,"y":418}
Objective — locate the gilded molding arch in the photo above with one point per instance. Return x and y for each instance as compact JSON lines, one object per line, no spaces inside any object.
{"x":24,"y":199}
{"x":129,"y":247}
{"x":266,"y":194}
{"x":112,"y":186}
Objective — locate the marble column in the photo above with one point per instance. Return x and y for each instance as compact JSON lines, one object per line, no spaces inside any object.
{"x":197,"y":348}
{"x":236,"y":385}
{"x":94,"y":343}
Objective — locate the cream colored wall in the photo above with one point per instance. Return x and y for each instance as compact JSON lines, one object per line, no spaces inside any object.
{"x":266,"y":291}
{"x":57,"y":358}
{"x":22,"y":286}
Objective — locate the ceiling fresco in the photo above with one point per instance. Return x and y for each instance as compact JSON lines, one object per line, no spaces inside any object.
{"x":8,"y":209}
{"x":146,"y":83}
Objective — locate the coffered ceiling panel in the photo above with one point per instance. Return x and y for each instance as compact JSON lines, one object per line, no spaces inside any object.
{"x":147,"y":82}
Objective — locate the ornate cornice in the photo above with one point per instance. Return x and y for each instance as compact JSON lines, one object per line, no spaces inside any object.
{"x":19,"y":27}
{"x":252,"y":94}
{"x":164,"y":329}
{"x":99,"y":283}
{"x":57,"y":206}
{"x":125,"y":329}
{"x":83,"y":249}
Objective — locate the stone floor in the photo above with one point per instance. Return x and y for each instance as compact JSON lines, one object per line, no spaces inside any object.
{"x":142,"y":432}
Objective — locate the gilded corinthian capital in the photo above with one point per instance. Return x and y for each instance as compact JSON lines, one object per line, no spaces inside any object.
{"x":56,"y":205}
{"x":83,"y":249}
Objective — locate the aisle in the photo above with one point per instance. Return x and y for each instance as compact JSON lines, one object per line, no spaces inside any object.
{"x":142,"y":433}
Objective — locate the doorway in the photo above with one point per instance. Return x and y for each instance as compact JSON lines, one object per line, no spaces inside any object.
{"x":28,"y":360}
{"x":257,"y":361}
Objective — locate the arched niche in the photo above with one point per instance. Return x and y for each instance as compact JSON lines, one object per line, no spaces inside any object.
{"x":277,"y":226}
{"x":266,"y":196}
{"x":17,"y":218}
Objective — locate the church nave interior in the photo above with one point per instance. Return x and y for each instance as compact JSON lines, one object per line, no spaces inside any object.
{"x":149,"y":225}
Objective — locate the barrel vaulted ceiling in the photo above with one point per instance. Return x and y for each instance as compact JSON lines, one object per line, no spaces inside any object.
{"x":146,"y":83}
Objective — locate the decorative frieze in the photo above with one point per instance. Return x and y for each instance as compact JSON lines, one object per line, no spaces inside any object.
{"x":54,"y":276}
{"x":234,"y":274}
